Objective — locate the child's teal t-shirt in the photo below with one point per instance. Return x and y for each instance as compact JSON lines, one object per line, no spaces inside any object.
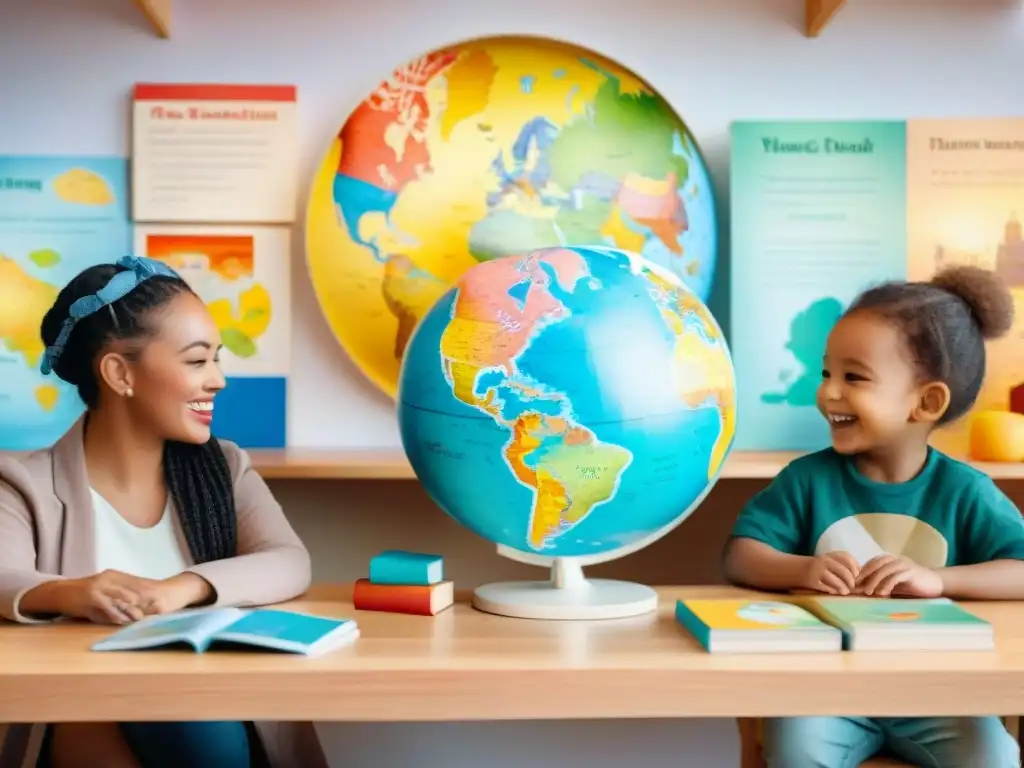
{"x":949,"y":514}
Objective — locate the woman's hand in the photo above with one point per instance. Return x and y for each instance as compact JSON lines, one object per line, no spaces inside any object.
{"x":108,"y":597}
{"x":113,"y":597}
{"x":179,"y":592}
{"x":894,"y":576}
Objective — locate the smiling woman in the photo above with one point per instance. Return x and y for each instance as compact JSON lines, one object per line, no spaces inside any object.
{"x":151,"y":513}
{"x":150,"y":355}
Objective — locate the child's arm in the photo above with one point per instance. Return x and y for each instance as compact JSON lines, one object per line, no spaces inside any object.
{"x":752,"y":563}
{"x":762,"y":551}
{"x":995,"y":580}
{"x":992,"y":544}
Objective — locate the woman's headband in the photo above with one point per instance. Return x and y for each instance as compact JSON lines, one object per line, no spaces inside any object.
{"x":137,"y":270}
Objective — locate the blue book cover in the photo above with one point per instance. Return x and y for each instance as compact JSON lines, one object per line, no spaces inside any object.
{"x":818,"y":215}
{"x":202,"y":629}
{"x":395,"y":566}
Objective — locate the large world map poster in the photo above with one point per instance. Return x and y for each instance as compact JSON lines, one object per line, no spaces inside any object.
{"x":488,"y":148}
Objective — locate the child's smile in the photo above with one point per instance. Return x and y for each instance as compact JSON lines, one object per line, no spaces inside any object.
{"x":841,"y":420}
{"x":845,"y":429}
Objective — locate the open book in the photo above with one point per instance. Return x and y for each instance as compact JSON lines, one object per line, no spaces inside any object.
{"x":260,"y":628}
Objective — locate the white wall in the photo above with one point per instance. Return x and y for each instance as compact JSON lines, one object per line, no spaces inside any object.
{"x":66,"y":68}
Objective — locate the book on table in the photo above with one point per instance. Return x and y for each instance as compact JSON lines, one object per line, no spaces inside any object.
{"x":399,"y":567}
{"x":903,"y":624}
{"x":755,"y":626}
{"x":417,"y":599}
{"x":263,"y":628}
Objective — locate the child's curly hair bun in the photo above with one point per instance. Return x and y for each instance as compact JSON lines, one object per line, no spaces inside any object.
{"x":984,"y":293}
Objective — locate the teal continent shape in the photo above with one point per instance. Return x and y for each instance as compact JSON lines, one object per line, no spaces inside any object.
{"x":808,"y":335}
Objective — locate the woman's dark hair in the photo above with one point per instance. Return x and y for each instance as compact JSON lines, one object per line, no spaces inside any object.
{"x":197,"y":476}
{"x":945,"y":323}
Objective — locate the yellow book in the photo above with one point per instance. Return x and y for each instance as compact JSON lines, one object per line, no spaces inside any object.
{"x":755,"y":626}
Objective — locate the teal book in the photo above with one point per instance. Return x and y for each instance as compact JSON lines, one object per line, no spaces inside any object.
{"x":904,"y":624}
{"x":265,"y":629}
{"x":395,"y":566}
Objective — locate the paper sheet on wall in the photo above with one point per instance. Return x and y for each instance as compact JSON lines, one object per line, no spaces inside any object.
{"x":58,"y":215}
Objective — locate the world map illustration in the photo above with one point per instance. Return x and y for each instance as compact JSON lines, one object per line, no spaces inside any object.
{"x":57,"y":217}
{"x":488,"y":148}
{"x":220,"y":269}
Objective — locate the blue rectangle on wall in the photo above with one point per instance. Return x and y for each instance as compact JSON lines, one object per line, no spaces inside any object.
{"x":58,"y":215}
{"x":818,"y":215}
{"x":251,"y":411}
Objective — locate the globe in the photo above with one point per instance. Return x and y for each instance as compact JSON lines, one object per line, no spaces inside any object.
{"x":488,"y":148}
{"x":571,"y":405}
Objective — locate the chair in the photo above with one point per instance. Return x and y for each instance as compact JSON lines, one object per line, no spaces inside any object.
{"x":750,"y":748}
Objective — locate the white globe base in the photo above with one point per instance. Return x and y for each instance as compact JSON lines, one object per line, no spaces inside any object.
{"x":567,"y":596}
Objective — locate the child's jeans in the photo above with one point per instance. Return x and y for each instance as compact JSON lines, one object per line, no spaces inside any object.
{"x":931,"y":742}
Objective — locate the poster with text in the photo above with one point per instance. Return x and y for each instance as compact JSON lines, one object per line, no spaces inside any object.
{"x":965,"y":194}
{"x":243,"y":274}
{"x":215,"y":153}
{"x":818,"y":214}
{"x":58,"y":216}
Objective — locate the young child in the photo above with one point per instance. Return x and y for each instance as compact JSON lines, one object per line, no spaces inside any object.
{"x":881,"y":513}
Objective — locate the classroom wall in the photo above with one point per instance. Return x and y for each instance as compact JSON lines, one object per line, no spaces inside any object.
{"x":66,"y":68}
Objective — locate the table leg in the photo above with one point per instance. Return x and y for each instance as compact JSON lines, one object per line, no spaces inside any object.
{"x":14,"y":740}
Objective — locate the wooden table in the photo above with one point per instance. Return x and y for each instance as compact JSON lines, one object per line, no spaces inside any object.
{"x":466,"y":665}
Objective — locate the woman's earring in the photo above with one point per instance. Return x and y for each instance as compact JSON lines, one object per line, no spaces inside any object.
{"x":129,"y":393}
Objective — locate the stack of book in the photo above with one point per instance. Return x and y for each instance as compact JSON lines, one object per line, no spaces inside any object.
{"x":833,"y":624}
{"x":405,"y":582}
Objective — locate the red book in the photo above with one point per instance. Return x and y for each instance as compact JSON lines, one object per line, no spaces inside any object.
{"x":422,"y":600}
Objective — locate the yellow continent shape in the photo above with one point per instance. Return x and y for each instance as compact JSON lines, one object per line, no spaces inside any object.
{"x":83,"y":187}
{"x":23,"y":303}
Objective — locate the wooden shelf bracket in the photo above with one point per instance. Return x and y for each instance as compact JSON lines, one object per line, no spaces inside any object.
{"x":817,"y":14}
{"x":158,"y":14}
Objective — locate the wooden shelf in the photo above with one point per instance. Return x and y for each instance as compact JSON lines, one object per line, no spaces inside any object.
{"x":158,"y":14}
{"x":330,"y":464}
{"x":391,"y":464}
{"x":818,"y":13}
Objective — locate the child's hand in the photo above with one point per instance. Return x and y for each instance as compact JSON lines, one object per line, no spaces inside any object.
{"x":888,"y":575}
{"x":834,"y":573}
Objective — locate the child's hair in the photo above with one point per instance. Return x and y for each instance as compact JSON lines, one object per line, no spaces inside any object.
{"x":197,"y":476}
{"x":945,"y":323}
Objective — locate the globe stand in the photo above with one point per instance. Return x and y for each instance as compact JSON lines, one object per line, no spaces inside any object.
{"x":568,"y":595}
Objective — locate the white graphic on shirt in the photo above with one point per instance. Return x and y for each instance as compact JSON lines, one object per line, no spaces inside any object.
{"x":869,"y":535}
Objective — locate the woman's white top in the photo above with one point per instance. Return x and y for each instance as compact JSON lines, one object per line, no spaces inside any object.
{"x":150,"y":553}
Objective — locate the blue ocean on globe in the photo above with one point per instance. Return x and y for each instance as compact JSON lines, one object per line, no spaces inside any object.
{"x":575,"y":401}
